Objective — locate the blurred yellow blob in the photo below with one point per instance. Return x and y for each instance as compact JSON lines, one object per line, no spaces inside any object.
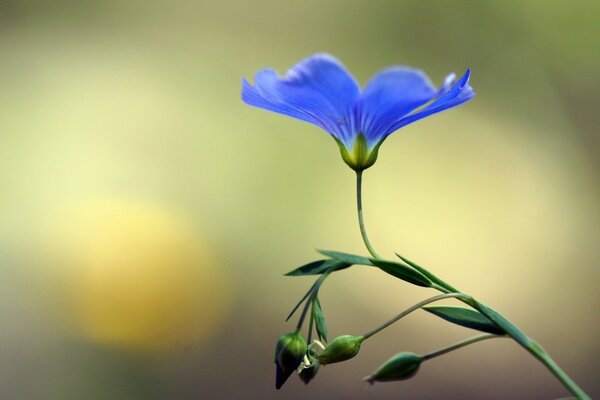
{"x":140,"y":277}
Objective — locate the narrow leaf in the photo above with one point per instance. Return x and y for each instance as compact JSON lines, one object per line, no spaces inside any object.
{"x":311,"y":323}
{"x":466,"y":317}
{"x":301,"y":301}
{"x":403,"y":272}
{"x":319,"y":319}
{"x":347,"y":258}
{"x":419,"y":268}
{"x":507,"y":326}
{"x":318,"y":267}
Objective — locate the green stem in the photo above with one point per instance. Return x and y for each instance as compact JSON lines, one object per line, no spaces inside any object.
{"x":526,"y":342}
{"x":458,"y":345}
{"x":561,"y":375}
{"x":516,"y":334}
{"x":410,"y":310}
{"x":361,"y":221}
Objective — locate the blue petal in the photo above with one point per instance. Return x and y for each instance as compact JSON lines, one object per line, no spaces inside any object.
{"x":251,"y":96}
{"x":456,"y":95}
{"x":318,"y":90}
{"x":389,"y":96}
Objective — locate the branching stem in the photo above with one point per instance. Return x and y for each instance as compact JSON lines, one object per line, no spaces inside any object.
{"x":530,"y":345}
{"x":458,"y":345}
{"x":411,"y":309}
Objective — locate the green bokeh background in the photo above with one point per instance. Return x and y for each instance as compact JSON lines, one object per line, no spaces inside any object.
{"x":138,"y":102}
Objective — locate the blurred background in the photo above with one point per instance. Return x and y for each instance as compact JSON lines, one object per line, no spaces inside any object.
{"x":148,"y":215}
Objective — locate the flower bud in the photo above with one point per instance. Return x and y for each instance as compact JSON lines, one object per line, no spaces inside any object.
{"x":289,"y":352}
{"x":342,"y":348}
{"x":400,"y":367}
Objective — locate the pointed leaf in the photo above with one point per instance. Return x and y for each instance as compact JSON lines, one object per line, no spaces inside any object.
{"x":347,"y":258}
{"x":300,"y":302}
{"x":311,"y":323}
{"x":319,"y":319}
{"x":396,"y":269}
{"x":506,"y":326}
{"x":416,"y":266}
{"x":329,"y":267}
{"x":466,"y":317}
{"x":434,"y":279}
{"x":403,"y":272}
{"x":318,"y":267}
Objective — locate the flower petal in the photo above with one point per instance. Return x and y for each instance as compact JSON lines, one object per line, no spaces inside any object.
{"x":389,"y":96}
{"x":318,"y":90}
{"x":251,"y":96}
{"x":456,"y":95}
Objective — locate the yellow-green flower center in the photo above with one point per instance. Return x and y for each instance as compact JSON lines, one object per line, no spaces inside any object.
{"x":359,"y":157}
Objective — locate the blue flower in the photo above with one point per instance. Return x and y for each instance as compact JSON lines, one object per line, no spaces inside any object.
{"x":321,"y":91}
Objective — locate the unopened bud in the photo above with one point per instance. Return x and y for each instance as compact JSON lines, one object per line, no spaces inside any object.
{"x":400,"y":367}
{"x":342,"y":348}
{"x":289,"y":352}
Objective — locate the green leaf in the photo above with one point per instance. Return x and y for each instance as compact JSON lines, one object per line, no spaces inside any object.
{"x":347,"y":258}
{"x":396,"y":269}
{"x":319,"y":318}
{"x":301,"y":301}
{"x":466,"y":317}
{"x":507,"y":326}
{"x":318,"y":267}
{"x":403,"y":272}
{"x":434,"y":279}
{"x":329,"y":266}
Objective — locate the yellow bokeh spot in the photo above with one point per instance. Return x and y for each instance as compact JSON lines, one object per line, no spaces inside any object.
{"x":138,"y":276}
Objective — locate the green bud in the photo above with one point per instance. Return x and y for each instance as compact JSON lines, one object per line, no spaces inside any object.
{"x":400,"y":367}
{"x":359,"y":157}
{"x":289,"y":352}
{"x":342,"y":348}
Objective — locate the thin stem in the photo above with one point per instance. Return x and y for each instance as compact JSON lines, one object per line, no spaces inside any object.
{"x":518,"y":336}
{"x":511,"y":330}
{"x":361,"y":221}
{"x":561,"y":375}
{"x":458,"y":345}
{"x":411,"y":309}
